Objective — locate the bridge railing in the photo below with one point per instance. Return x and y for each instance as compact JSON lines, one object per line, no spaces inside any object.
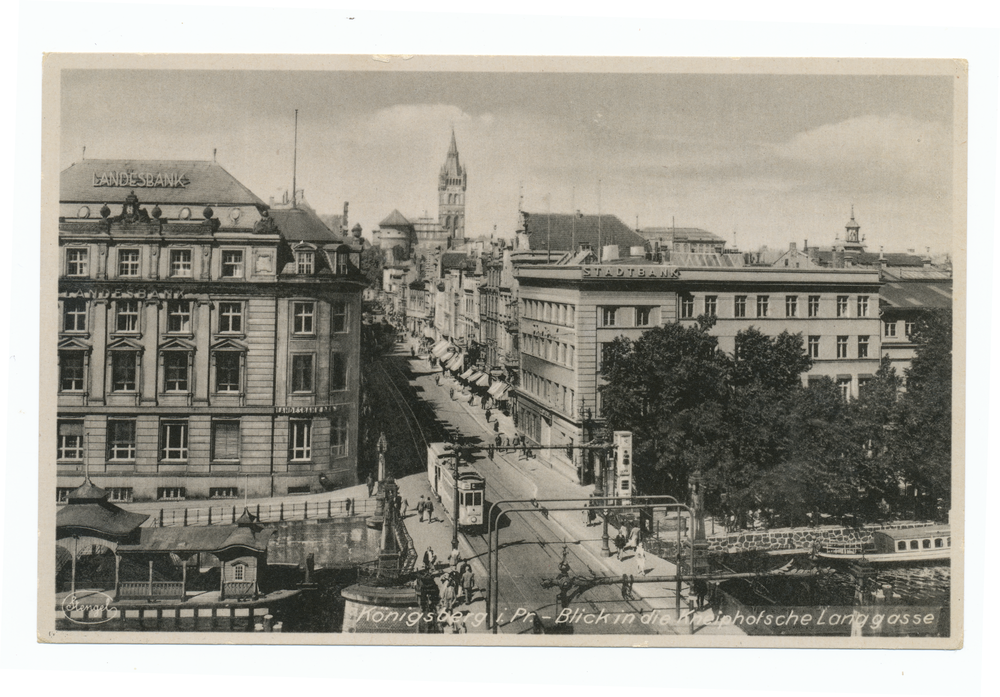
{"x":265,"y":513}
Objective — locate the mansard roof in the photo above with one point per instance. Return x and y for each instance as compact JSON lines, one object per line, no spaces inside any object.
{"x":191,"y":182}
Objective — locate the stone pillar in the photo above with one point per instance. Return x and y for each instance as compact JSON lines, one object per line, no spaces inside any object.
{"x":150,"y":355}
{"x":202,"y":340}
{"x":99,"y":340}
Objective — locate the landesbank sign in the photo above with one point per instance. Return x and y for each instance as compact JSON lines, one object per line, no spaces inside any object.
{"x":142,"y":180}
{"x":631,"y":271}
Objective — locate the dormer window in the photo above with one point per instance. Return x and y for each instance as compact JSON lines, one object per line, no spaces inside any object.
{"x":342,"y":263}
{"x":304,"y":263}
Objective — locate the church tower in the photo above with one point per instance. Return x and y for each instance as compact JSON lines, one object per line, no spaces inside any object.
{"x":451,"y":196}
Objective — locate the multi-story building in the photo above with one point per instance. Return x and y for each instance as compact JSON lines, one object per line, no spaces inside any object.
{"x":569,"y":313}
{"x":207,"y":348}
{"x":905,"y":295}
{"x":453,"y":181}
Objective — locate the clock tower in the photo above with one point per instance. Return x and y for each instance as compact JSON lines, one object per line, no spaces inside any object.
{"x":451,"y":196}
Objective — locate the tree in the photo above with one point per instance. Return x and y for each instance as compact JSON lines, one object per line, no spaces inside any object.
{"x":923,"y":452}
{"x":371,"y":266}
{"x":668,"y":387}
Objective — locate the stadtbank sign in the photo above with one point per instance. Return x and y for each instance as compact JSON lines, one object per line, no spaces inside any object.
{"x":142,"y":180}
{"x":631,"y":272}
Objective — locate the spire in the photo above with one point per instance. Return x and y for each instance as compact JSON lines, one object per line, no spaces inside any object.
{"x":453,"y":148}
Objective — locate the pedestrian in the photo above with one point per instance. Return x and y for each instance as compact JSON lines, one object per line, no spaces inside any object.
{"x":406,"y":506}
{"x":625,"y":589}
{"x":469,"y":584}
{"x":620,"y":540}
{"x":631,"y":584}
{"x":591,"y":516}
{"x":633,"y":538}
{"x":370,"y":481}
{"x":700,"y":591}
{"x":496,"y":426}
{"x":640,"y":558}
{"x":498,"y":441}
{"x":413,"y":352}
{"x":448,"y":594}
{"x":430,"y":510}
{"x":451,"y":392}
{"x":489,"y":413}
{"x":453,"y":558}
{"x":421,"y":508}
{"x":472,"y":399}
{"x":430,"y":560}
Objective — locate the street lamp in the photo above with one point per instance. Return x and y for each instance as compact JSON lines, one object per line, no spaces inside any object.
{"x":454,"y":513}
{"x":382,"y":446}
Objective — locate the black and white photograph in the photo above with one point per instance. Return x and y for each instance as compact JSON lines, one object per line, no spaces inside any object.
{"x":521,"y":352}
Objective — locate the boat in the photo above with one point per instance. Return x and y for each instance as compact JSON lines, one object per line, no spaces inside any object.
{"x":928,"y":543}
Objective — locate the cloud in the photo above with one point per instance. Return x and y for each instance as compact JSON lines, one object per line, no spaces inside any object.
{"x":874,"y":152}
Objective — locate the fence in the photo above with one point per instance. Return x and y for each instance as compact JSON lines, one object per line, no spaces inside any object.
{"x":154,"y":589}
{"x":265,"y":513}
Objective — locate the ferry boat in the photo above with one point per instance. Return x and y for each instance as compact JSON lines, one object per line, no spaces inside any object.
{"x":930,"y":543}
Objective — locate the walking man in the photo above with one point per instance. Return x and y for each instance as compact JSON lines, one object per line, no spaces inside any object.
{"x":453,"y":558}
{"x":640,"y":558}
{"x":469,"y":584}
{"x":430,"y":510}
{"x":430,"y":559}
{"x":406,"y":505}
{"x":370,"y":481}
{"x":421,"y":507}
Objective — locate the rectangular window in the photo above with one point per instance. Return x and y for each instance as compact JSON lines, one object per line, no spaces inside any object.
{"x":180,"y":263}
{"x":223,"y":492}
{"x":841,"y":306}
{"x":762,"y":305}
{"x":75,"y":315}
{"x":642,"y":316}
{"x":174,"y":440}
{"x":862,"y":347}
{"x":844,"y":384}
{"x":62,"y":494}
{"x":687,"y":307}
{"x":70,"y":440}
{"x":225,"y":440}
{"x":239,"y":572}
{"x":119,"y":494}
{"x":304,"y":262}
{"x":179,"y":316}
{"x":170,"y":493}
{"x":814,"y":347}
{"x":128,"y":263}
{"x":608,"y":316}
{"x":175,"y":371}
{"x":862,"y":306}
{"x":909,"y":328}
{"x":338,"y":371}
{"x":740,"y":306}
{"x":123,"y":371}
{"x":338,"y":318}
{"x":230,"y":317}
{"x":791,"y":306}
{"x":71,"y":371}
{"x":302,"y":372}
{"x":338,"y":436}
{"x":814,"y":306}
{"x":127,"y":316}
{"x":301,"y":440}
{"x":841,"y":347}
{"x":121,"y":439}
{"x":711,"y":305}
{"x":863,"y":383}
{"x":304,"y":315}
{"x":227,"y":371}
{"x":232,"y":263}
{"x":76,"y":262}
{"x":890,"y":328}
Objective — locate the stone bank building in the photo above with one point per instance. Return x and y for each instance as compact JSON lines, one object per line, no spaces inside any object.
{"x":208,"y":348}
{"x":569,"y":312}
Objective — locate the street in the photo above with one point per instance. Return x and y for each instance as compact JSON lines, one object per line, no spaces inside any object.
{"x":531,"y":545}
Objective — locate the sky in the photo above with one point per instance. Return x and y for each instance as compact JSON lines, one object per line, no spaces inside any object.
{"x":757,"y":159}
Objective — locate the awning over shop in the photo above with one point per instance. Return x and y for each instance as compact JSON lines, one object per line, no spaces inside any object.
{"x":442,"y":349}
{"x":467,"y":374}
{"x":498,"y":390}
{"x":455,"y":363}
{"x":483,"y":380}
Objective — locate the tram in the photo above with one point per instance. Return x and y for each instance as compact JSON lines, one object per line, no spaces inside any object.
{"x":471,"y":486}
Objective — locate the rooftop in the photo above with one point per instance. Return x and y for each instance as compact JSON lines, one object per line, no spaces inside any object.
{"x":303,"y":225}
{"x":557,"y":231}
{"x":192,"y":182}
{"x":916,"y":294}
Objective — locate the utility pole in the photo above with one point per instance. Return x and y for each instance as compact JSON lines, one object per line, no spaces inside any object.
{"x":295,"y":156}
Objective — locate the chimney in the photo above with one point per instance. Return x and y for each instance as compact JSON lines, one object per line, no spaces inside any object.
{"x":881,"y":253}
{"x":805,"y":246}
{"x":270,"y":201}
{"x":791,"y":247}
{"x":610,"y":252}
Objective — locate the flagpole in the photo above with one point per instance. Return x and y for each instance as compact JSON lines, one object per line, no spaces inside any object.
{"x":295,"y":156}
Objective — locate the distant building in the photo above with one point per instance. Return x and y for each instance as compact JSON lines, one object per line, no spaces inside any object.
{"x":683,"y":239}
{"x":208,"y":347}
{"x":452,"y":184}
{"x":905,"y":294}
{"x":605,"y":235}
